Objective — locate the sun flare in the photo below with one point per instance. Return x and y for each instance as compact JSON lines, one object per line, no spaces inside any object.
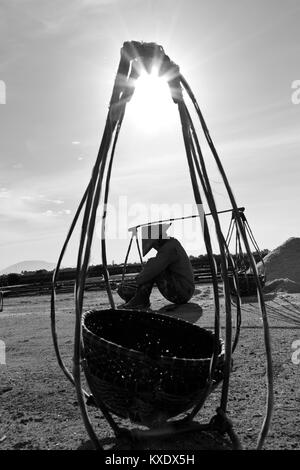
{"x":151,"y":106}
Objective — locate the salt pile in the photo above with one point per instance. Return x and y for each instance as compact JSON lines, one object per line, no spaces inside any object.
{"x":283,"y":267}
{"x":282,"y":285}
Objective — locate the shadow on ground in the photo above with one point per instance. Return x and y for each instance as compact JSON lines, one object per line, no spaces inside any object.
{"x":254,"y":299}
{"x":190,"y":441}
{"x":190,"y":312}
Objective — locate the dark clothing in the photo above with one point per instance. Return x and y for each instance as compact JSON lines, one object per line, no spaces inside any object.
{"x":172,"y":289}
{"x":170,"y":270}
{"x":171,"y":257}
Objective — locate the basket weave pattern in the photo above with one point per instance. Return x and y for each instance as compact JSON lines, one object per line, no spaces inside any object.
{"x":145,"y":366}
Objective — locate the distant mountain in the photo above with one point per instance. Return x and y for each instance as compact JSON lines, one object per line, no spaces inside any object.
{"x":30,"y":265}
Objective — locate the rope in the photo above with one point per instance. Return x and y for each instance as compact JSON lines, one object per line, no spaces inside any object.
{"x":87,"y":200}
{"x":134,"y":235}
{"x":220,"y":235}
{"x":114,"y":120}
{"x":139,"y":250}
{"x":132,"y":55}
{"x":208,"y":194}
{"x":228,"y":338}
{"x":88,"y":226}
{"x":61,"y":363}
{"x":126,"y":259}
{"x":270,"y":391}
{"x":221,"y":423}
{"x":295,"y":307}
{"x":103,"y":242}
{"x":180,"y":218}
{"x":191,"y":161}
{"x":230,"y":232}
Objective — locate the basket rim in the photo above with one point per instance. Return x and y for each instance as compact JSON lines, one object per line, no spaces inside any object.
{"x":134,"y":352}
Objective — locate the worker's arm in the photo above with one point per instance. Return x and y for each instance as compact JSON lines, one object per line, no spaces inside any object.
{"x":165,"y":256}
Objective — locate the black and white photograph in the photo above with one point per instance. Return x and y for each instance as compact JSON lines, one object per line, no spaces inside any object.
{"x":149,"y":228}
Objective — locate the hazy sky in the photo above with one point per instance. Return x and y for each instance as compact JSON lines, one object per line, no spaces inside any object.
{"x":58,"y":60}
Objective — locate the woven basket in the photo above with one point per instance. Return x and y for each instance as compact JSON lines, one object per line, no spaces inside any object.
{"x":247,"y":284}
{"x":146,"y":366}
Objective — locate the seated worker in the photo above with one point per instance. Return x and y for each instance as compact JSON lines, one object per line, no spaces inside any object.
{"x":170,"y":270}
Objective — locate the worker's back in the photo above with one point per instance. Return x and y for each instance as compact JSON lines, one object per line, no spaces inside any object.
{"x":180,"y":263}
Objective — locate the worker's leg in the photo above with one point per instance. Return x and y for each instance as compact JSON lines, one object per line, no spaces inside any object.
{"x":137,"y":297}
{"x":141,"y":299}
{"x":175,"y":290}
{"x":127,"y":291}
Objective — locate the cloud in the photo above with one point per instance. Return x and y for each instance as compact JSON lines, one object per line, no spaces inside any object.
{"x":2,"y":92}
{"x":27,"y":198}
{"x":41,"y":199}
{"x":57,"y":16}
{"x":281,"y":138}
{"x":4,"y":193}
{"x":18,"y":165}
{"x":55,"y":201}
{"x":51,"y":213}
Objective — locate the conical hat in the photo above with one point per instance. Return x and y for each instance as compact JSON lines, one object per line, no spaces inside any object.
{"x":150,"y":233}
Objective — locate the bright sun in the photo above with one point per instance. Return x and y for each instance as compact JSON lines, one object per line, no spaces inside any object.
{"x":151,"y":107}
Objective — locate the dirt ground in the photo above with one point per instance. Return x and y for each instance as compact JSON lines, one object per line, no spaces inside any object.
{"x":39,"y":409}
